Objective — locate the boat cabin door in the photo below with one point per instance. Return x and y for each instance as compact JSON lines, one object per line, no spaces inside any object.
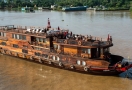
{"x":95,"y":52}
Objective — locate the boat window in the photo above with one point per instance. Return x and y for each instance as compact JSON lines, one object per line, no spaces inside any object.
{"x":55,"y":46}
{"x":1,"y":34}
{"x":84,"y":50}
{"x":44,"y":40}
{"x":4,"y":34}
{"x":37,"y":39}
{"x":41,"y":48}
{"x":41,"y":39}
{"x":50,"y":56}
{"x":106,"y":50}
{"x":58,"y":59}
{"x":15,"y":46}
{"x":78,"y":62}
{"x":17,"y":36}
{"x":101,"y":50}
{"x":43,"y":55}
{"x":12,"y":35}
{"x":37,"y":54}
{"x":46,"y":56}
{"x":25,"y":46}
{"x":20,"y":36}
{"x":58,"y":47}
{"x":24,"y":51}
{"x":54,"y":58}
{"x":83,"y":63}
{"x":3,"y":43}
{"x":89,"y":51}
{"x":23,"y":37}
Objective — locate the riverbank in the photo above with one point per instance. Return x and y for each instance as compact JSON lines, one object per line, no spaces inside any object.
{"x":60,"y":9}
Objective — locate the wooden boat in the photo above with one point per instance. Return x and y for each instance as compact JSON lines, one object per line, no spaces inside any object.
{"x":62,"y":49}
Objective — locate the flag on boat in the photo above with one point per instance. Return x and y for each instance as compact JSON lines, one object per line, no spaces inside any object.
{"x":108,"y":38}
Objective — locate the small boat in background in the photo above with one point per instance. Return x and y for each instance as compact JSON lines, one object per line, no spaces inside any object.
{"x":78,"y":8}
{"x":27,"y":9}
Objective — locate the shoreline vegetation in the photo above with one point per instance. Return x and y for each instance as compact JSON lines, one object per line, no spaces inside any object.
{"x":100,"y":5}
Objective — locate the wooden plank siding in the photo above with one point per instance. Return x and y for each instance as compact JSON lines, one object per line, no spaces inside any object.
{"x":70,"y":50}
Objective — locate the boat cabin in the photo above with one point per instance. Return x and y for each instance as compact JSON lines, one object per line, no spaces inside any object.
{"x":81,"y":48}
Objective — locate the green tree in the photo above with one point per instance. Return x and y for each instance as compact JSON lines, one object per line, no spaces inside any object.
{"x":2,"y":4}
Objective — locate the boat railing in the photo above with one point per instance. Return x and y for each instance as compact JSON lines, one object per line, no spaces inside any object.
{"x":35,"y":43}
{"x":84,"y":43}
{"x":20,"y":29}
{"x":36,"y":34}
{"x":12,"y":30}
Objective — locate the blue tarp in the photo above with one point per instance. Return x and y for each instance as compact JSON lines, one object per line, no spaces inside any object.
{"x":127,"y":74}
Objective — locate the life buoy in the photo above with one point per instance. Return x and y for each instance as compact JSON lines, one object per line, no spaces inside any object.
{"x":60,"y":64}
{"x":16,"y":54}
{"x":79,"y":43}
{"x":83,"y":56}
{"x":40,"y":60}
{"x":65,"y":41}
{"x":31,"y":57}
{"x":3,"y":51}
{"x":49,"y":62}
{"x":23,"y":55}
{"x":72,"y":67}
{"x":86,"y":69}
{"x":9,"y":52}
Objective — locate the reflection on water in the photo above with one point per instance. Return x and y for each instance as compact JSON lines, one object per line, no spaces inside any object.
{"x":18,"y":74}
{"x":131,"y":15}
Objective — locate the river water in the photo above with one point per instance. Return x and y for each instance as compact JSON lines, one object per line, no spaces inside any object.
{"x":19,"y":74}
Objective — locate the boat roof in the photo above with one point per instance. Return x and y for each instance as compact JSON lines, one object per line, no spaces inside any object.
{"x":91,"y":42}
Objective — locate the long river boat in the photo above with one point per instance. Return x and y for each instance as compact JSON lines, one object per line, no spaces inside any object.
{"x":62,"y":48}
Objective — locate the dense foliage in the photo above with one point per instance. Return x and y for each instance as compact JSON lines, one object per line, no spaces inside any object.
{"x":47,"y":3}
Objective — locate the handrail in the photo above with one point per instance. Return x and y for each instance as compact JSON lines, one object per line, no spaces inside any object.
{"x":84,"y":43}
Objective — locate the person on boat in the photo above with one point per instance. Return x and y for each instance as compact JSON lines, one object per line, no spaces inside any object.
{"x":90,"y":37}
{"x":71,"y":34}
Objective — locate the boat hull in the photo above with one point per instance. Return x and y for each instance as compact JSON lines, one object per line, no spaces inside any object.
{"x":65,"y":66}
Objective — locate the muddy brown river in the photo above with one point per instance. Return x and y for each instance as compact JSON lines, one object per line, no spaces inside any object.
{"x":19,"y":74}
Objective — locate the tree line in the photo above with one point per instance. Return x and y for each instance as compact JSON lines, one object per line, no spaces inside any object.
{"x":48,"y":3}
